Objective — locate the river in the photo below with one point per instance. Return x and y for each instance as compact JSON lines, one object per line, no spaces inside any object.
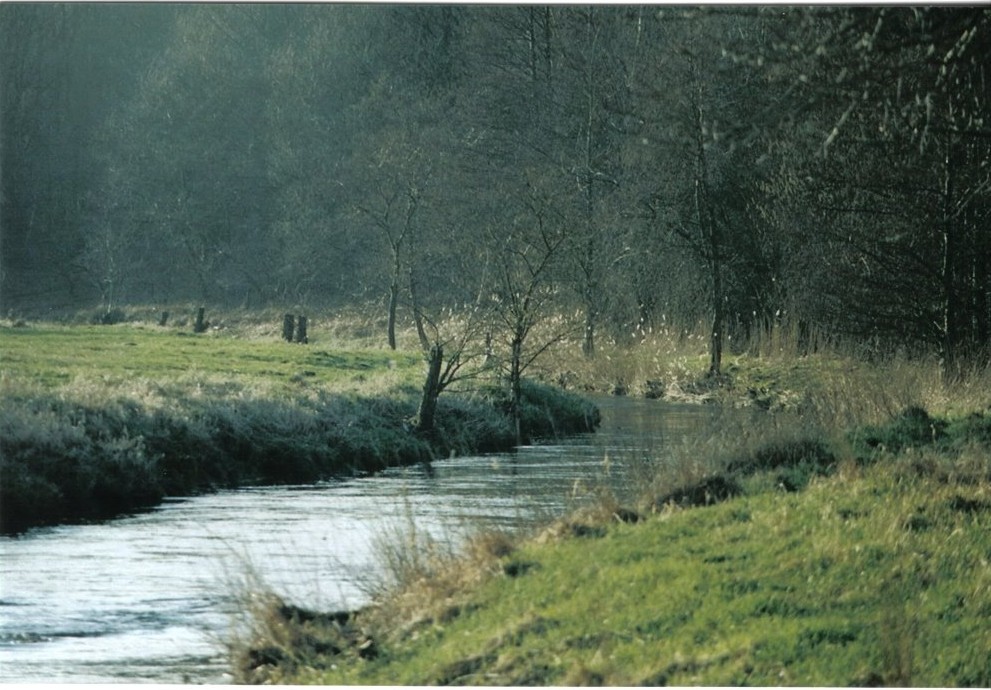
{"x":153,"y":597}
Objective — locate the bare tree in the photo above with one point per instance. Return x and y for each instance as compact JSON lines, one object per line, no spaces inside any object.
{"x":524,"y":256}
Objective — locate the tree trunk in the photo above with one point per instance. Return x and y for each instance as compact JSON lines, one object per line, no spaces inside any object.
{"x":709,"y":231}
{"x":718,"y":317}
{"x":421,"y":333}
{"x":949,"y":315}
{"x":301,"y":336}
{"x":393,"y":303}
{"x":515,"y":386}
{"x":588,"y":341}
{"x":431,"y":391}
{"x":288,"y":327}
{"x":200,"y":326}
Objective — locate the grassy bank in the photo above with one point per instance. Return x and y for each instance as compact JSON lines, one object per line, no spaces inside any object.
{"x":100,"y":420}
{"x":873,"y":571}
{"x":771,"y":372}
{"x":839,"y":537}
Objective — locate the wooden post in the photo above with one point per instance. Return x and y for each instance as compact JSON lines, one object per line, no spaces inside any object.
{"x":301,"y":330}
{"x":288,"y":326}
{"x":200,"y":326}
{"x":164,"y":318}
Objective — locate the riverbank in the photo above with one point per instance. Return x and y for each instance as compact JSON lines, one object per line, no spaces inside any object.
{"x":96,"y":421}
{"x":858,"y":561}
{"x":846,"y":385}
{"x":839,"y":535}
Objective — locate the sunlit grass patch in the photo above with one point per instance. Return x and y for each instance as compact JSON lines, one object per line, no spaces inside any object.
{"x":52,"y":356}
{"x":876,"y":578}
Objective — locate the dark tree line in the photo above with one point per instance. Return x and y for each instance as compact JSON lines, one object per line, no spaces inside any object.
{"x":823,"y":168}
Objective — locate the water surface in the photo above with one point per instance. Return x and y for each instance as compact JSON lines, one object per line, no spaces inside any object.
{"x":153,"y":597}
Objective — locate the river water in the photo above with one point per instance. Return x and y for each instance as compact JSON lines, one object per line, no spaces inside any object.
{"x":153,"y":597}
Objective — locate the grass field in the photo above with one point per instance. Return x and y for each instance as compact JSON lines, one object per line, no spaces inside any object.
{"x":845,"y":539}
{"x":96,"y":421}
{"x":866,"y":581}
{"x":51,"y":355}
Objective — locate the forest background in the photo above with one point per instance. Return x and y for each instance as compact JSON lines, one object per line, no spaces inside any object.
{"x":632,"y":168}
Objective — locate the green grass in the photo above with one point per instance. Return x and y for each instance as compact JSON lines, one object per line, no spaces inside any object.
{"x":53,"y":355}
{"x":96,"y":421}
{"x":854,"y":549}
{"x":864,"y":578}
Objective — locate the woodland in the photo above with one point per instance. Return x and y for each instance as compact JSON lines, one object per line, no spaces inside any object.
{"x":625,"y":168}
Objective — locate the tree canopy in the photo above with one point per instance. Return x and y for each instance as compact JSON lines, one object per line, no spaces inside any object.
{"x":828,"y":167}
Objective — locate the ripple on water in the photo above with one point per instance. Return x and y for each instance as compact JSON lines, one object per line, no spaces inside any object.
{"x":150,"y":598}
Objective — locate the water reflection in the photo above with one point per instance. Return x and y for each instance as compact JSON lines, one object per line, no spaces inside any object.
{"x":152,"y":597}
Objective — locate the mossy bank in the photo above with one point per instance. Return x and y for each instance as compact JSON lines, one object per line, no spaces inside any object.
{"x":96,"y":421}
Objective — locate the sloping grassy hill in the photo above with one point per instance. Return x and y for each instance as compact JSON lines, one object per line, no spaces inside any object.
{"x":865,"y":561}
{"x":872,"y":576}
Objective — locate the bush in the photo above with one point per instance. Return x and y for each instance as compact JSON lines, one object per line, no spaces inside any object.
{"x":974,"y":428}
{"x":109,"y":317}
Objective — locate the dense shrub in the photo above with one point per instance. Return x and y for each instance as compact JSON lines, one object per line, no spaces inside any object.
{"x":471,"y":424}
{"x":974,"y":428}
{"x":791,"y":463}
{"x":549,"y":412}
{"x":795,"y":462}
{"x":109,"y":317}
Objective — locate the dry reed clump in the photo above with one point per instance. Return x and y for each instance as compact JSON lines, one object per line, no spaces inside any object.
{"x":655,"y":364}
{"x":590,"y":521}
{"x":422,"y":581}
{"x":780,"y":369}
{"x":272,"y":638}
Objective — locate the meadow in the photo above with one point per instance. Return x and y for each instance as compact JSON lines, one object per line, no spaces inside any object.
{"x":100,"y":420}
{"x":840,"y":537}
{"x":873,"y":576}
